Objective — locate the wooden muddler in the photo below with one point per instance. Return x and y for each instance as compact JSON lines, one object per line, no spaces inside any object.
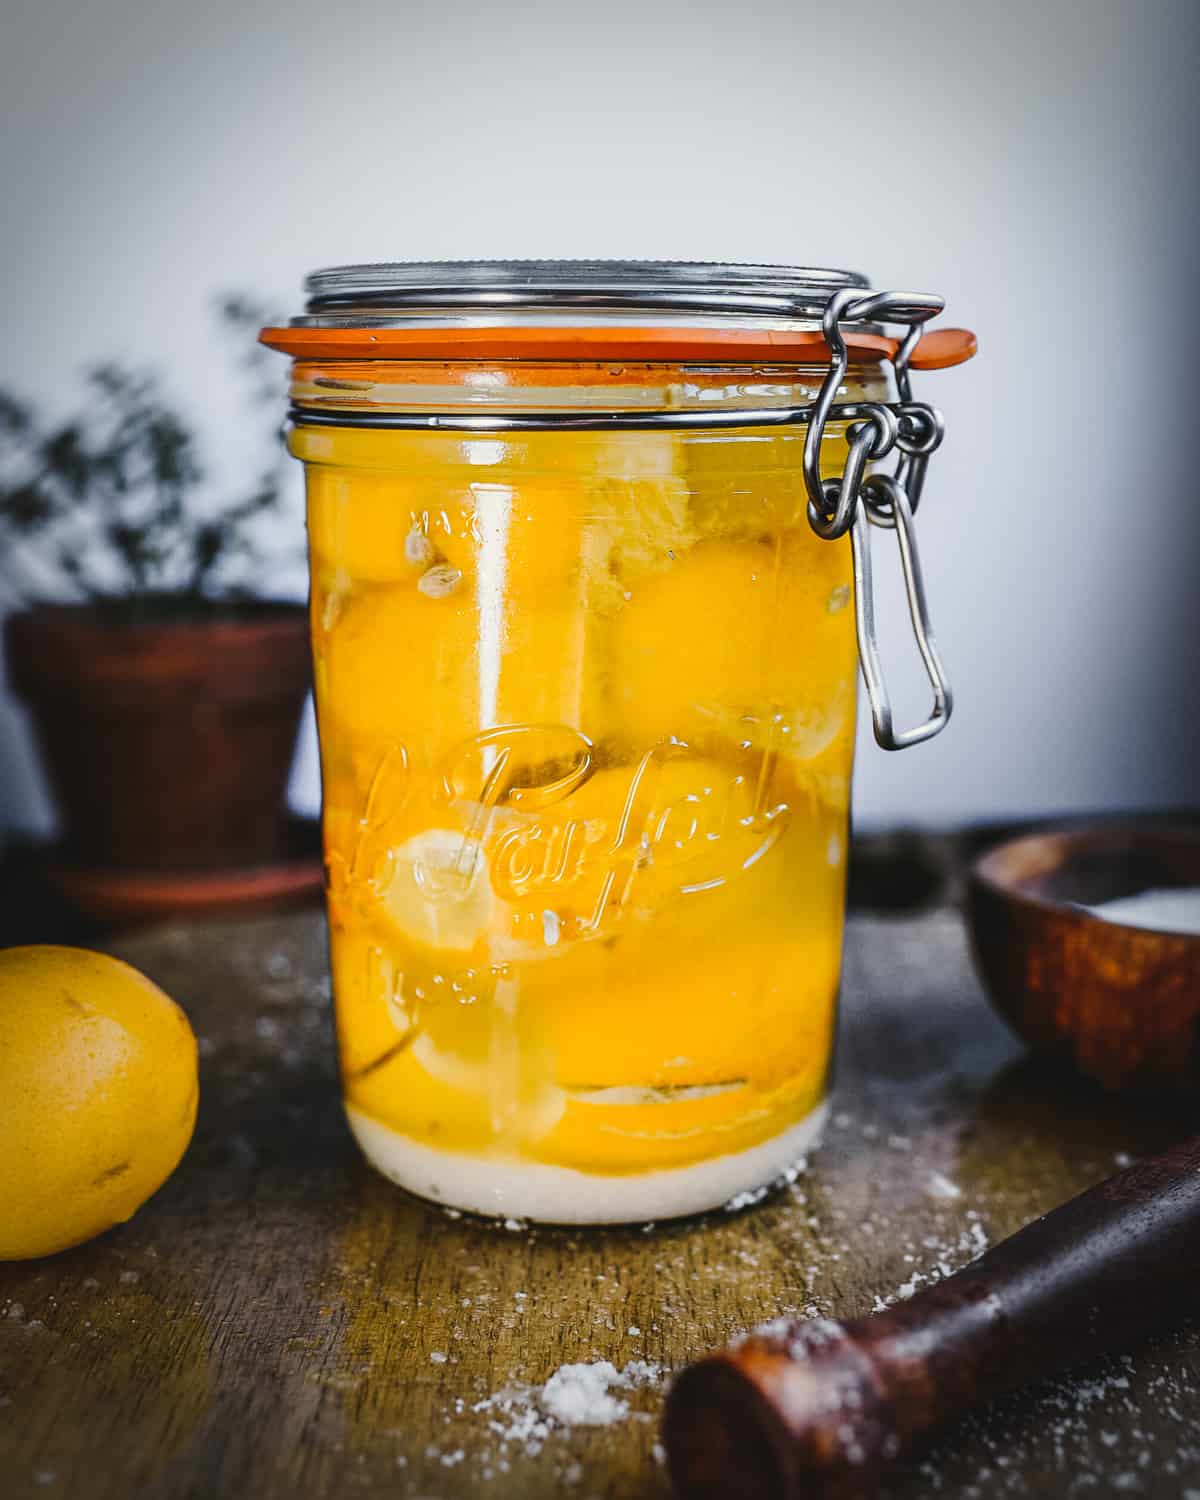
{"x":817,"y":1408}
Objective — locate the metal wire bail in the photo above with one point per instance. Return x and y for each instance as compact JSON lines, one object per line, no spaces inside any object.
{"x":859,"y":500}
{"x":900,"y":519}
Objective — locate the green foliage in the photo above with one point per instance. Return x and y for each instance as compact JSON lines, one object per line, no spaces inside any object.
{"x":107,"y":506}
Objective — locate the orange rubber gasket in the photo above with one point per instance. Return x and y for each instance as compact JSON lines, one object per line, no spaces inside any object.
{"x":943,"y":347}
{"x":600,"y":347}
{"x":671,"y":345}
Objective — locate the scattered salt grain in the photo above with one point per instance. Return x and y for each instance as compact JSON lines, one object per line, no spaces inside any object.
{"x":418,"y":549}
{"x":437,"y":1358}
{"x":948,"y":1256}
{"x":578,"y":1395}
{"x":756,"y":1195}
{"x":939,"y":1186}
{"x":438,"y":581}
{"x":746,"y":1200}
{"x":575,"y":1395}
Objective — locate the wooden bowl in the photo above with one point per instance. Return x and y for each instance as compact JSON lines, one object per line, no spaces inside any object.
{"x":1121,"y":1003}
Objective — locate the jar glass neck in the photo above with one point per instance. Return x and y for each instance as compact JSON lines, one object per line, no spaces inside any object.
{"x":359,"y":388}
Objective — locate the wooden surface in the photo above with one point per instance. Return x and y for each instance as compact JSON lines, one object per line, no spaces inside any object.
{"x":280,"y":1322}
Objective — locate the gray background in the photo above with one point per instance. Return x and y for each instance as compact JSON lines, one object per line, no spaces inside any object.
{"x":1033,"y":162}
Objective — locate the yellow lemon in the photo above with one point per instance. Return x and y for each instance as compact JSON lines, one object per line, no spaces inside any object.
{"x":630,"y":1130}
{"x":372,"y":1023}
{"x":749,"y":641}
{"x":438,"y":894}
{"x":98,"y":1093}
{"x":749,"y":482}
{"x":376,"y":524}
{"x":401,"y":670}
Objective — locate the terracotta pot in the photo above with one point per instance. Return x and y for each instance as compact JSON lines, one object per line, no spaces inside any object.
{"x":167,"y":743}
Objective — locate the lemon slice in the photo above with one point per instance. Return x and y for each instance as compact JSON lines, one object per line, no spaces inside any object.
{"x":520,"y":1100}
{"x":438,"y":893}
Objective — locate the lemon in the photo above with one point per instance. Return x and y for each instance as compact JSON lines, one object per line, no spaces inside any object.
{"x":98,"y":1093}
{"x":401,"y":669}
{"x":375,"y":524}
{"x":748,"y":641}
{"x":372,"y":1021}
{"x":438,"y":894}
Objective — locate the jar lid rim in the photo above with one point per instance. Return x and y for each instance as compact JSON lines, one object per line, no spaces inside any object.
{"x":343,"y":295}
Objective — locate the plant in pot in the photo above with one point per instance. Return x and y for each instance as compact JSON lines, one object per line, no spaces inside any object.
{"x":165,"y":685}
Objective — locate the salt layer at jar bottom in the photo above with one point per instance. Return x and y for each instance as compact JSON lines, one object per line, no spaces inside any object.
{"x":509,"y":1188}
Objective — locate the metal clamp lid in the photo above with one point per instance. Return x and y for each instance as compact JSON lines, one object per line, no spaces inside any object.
{"x":370,"y":300}
{"x":386,"y":292}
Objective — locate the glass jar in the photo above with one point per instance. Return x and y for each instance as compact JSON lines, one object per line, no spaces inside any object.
{"x":585,"y":685}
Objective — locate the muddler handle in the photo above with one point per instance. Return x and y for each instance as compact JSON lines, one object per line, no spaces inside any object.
{"x":816,"y":1408}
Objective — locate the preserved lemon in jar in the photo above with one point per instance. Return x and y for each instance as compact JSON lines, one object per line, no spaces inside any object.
{"x":585,"y":683}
